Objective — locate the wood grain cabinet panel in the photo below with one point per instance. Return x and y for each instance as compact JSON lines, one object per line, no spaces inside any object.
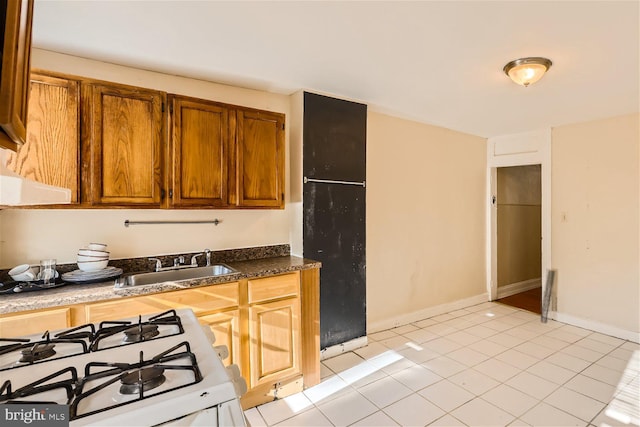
{"x":274,"y":340}
{"x":202,"y":300}
{"x":226,"y":328}
{"x":14,"y":75}
{"x":35,"y":322}
{"x":119,"y":309}
{"x":270,"y":288}
{"x":123,"y":135}
{"x":51,"y":154}
{"x":259,"y":159}
{"x":199,"y":160}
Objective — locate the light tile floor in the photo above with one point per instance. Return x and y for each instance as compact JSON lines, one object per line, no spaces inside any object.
{"x":486,"y":365}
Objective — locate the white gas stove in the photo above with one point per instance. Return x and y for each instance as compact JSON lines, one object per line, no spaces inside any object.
{"x":150,"y":370}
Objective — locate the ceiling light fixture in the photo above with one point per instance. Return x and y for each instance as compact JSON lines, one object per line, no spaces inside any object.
{"x":525,"y":71}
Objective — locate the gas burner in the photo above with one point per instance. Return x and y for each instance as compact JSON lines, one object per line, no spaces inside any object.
{"x":140,"y":332}
{"x":117,"y":333}
{"x":142,"y":380}
{"x":39,"y":351}
{"x":137,"y":381}
{"x":23,"y":351}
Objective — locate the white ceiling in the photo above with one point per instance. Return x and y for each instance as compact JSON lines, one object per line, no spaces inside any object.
{"x":434,"y":62}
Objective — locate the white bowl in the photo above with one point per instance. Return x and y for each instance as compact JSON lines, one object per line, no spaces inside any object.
{"x":23,"y":273}
{"x":91,"y":252}
{"x":85,"y":258}
{"x":97,"y":246}
{"x":92,"y":265}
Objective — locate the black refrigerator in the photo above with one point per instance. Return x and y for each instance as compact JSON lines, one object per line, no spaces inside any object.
{"x":334,"y":208}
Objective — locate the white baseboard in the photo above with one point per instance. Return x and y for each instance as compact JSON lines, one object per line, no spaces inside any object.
{"x":426,"y":313}
{"x":595,"y":326}
{"x":516,"y":288}
{"x":337,"y":349}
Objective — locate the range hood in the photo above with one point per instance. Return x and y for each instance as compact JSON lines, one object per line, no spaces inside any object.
{"x":16,"y":190}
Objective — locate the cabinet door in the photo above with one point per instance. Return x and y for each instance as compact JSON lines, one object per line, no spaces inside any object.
{"x":274,"y":287}
{"x":259,"y":159}
{"x":200,"y":135}
{"x":123,"y":140}
{"x":274,"y":340}
{"x":51,"y":154}
{"x":14,"y":76}
{"x":36,"y":322}
{"x":226,"y":327}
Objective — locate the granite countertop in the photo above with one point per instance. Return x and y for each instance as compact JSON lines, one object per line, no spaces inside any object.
{"x":77,"y":293}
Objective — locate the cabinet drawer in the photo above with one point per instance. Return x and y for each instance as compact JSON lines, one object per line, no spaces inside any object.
{"x":283,"y":286}
{"x":201,"y":300}
{"x":119,"y":309}
{"x":36,"y":322}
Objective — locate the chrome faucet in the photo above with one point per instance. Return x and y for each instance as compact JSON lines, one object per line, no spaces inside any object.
{"x":158,"y":263}
{"x":207,"y":253}
{"x":194,"y":260}
{"x":178,"y":263}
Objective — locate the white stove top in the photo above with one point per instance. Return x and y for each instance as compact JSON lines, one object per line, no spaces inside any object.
{"x":159,"y":404}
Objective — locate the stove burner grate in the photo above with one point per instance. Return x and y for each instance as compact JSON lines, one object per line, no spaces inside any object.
{"x":7,"y":395}
{"x":30,"y":352}
{"x":145,"y":379}
{"x":112,"y":373}
{"x":136,"y":332}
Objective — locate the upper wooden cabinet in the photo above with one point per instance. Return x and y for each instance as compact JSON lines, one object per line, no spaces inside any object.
{"x":199,"y":153}
{"x":51,"y":154}
{"x":259,"y":159}
{"x":122,"y":145}
{"x":118,"y":146}
{"x":16,"y":17}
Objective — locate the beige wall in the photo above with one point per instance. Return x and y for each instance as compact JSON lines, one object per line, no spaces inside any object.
{"x":30,"y":235}
{"x":425,"y":216}
{"x":519,"y":224}
{"x":595,"y":220}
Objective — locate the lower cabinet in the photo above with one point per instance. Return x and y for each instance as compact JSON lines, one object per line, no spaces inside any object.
{"x":274,"y":345}
{"x":274,"y":328}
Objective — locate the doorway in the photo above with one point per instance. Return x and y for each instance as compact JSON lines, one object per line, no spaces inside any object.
{"x":518,"y":236}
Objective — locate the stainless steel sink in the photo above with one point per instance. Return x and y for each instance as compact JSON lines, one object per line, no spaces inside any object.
{"x":139,"y":279}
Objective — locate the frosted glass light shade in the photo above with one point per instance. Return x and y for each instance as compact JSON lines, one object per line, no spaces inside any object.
{"x":525,"y":71}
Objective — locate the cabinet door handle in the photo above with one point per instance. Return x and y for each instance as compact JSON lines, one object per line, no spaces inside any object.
{"x":162,"y":194}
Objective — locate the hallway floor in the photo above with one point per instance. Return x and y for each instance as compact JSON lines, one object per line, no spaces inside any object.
{"x":488,"y":364}
{"x":530,"y":300}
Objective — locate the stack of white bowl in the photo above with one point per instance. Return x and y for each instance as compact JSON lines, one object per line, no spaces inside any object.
{"x":94,"y":257}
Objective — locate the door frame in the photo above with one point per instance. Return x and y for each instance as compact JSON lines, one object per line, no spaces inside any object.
{"x":529,"y":148}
